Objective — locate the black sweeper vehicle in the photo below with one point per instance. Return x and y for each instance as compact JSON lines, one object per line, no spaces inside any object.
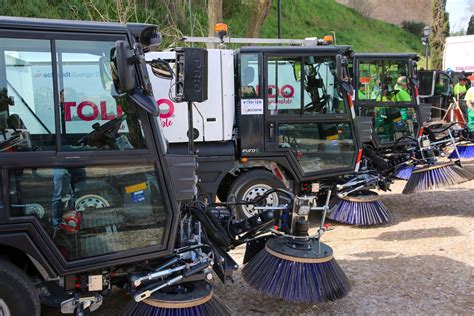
{"x":449,"y":109}
{"x":276,"y":117}
{"x":405,"y":143}
{"x":90,"y":199}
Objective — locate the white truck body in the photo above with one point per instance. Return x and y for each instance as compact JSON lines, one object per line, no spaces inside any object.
{"x":213,"y":118}
{"x":459,"y":54}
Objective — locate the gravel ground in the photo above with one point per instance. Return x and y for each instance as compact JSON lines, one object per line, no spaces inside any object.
{"x":420,"y":263}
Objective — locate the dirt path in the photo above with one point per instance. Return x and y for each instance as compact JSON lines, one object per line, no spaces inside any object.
{"x":421,"y":263}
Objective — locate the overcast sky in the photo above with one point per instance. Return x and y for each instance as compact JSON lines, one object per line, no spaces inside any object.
{"x":460,"y":12}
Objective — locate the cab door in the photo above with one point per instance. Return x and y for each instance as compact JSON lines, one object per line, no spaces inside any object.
{"x":307,"y":118}
{"x":80,"y":165}
{"x":385,"y":92}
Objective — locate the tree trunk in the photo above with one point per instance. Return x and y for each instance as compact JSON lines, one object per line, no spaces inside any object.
{"x":470,"y":28}
{"x":439,"y":32}
{"x":259,"y":14}
{"x":214,"y":9}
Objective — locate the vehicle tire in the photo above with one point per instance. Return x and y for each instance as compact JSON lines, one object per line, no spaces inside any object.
{"x":18,"y":295}
{"x":252,"y":184}
{"x":96,"y":197}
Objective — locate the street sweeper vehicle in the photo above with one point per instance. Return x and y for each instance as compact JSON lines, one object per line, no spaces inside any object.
{"x":276,"y":117}
{"x":403,"y":144}
{"x":446,"y":92}
{"x":90,"y":199}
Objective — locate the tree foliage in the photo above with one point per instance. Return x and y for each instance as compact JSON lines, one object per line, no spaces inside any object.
{"x":439,"y":32}
{"x":414,"y":27}
{"x":470,"y":28}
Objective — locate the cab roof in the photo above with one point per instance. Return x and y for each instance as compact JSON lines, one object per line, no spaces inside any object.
{"x":20,"y":23}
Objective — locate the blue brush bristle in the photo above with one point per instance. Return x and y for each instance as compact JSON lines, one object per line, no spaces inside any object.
{"x":212,"y":307}
{"x":436,"y":176}
{"x":404,"y":172}
{"x":296,"y":281}
{"x":359,"y":213}
{"x":465,"y":152}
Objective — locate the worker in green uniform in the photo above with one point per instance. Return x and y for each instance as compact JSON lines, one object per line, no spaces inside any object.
{"x":402,"y":95}
{"x":402,"y":87}
{"x":469,"y":98}
{"x":460,"y":88}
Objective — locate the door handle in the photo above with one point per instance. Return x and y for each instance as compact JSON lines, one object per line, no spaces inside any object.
{"x":271,"y":131}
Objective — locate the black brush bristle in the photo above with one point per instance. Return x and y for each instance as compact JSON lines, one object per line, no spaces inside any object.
{"x":296,"y":281}
{"x":355,"y":211}
{"x":465,"y":152}
{"x":435,"y":177}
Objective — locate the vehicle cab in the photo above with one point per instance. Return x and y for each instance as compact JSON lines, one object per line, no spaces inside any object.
{"x":83,"y":183}
{"x":386,"y":89}
{"x":295,"y":97}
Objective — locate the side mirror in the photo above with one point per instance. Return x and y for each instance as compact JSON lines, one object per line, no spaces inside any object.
{"x":123,"y":72}
{"x":425,"y":112}
{"x":363,"y":125}
{"x":161,"y":69}
{"x":339,"y":65}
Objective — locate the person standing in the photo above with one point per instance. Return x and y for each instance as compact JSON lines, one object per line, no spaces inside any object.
{"x":460,"y":88}
{"x":469,"y":98}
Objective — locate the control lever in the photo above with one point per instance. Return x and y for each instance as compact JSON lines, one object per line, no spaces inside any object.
{"x":195,"y":269}
{"x":325,"y":209}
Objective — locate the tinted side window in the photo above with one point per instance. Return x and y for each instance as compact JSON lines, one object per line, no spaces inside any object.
{"x":92,"y":211}
{"x":392,"y":123}
{"x":284,"y":85}
{"x":320,"y":89}
{"x":249,"y":76}
{"x":318,"y":146}
{"x":92,"y":117}
{"x":26,"y":96}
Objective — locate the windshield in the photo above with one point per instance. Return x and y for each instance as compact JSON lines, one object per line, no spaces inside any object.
{"x":384,"y":81}
{"x":303,"y":85}
{"x":91,"y":116}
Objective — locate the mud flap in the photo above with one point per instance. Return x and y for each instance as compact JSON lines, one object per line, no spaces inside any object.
{"x":254,"y":246}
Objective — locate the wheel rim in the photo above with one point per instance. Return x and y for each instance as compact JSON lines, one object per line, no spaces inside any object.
{"x":4,"y":310}
{"x":35,"y":209}
{"x":91,"y":201}
{"x":255,"y":191}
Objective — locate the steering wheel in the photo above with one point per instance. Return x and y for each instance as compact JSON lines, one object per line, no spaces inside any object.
{"x":103,"y":135}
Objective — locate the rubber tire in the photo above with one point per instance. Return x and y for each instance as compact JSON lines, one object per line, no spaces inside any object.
{"x":249,"y":179}
{"x":17,"y":290}
{"x":106,"y":195}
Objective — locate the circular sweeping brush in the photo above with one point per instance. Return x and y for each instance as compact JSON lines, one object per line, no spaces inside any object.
{"x":184,"y":299}
{"x":466,"y":151}
{"x":359,"y":208}
{"x":436,"y":176}
{"x":404,"y":172}
{"x":297,"y":270}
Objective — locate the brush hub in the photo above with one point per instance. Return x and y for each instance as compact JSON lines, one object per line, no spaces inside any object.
{"x":308,"y":251}
{"x":364,"y":196}
{"x":184,"y":295}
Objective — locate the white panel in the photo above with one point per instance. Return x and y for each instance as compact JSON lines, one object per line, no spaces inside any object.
{"x":459,"y":53}
{"x":209,"y":115}
{"x":228,"y":95}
